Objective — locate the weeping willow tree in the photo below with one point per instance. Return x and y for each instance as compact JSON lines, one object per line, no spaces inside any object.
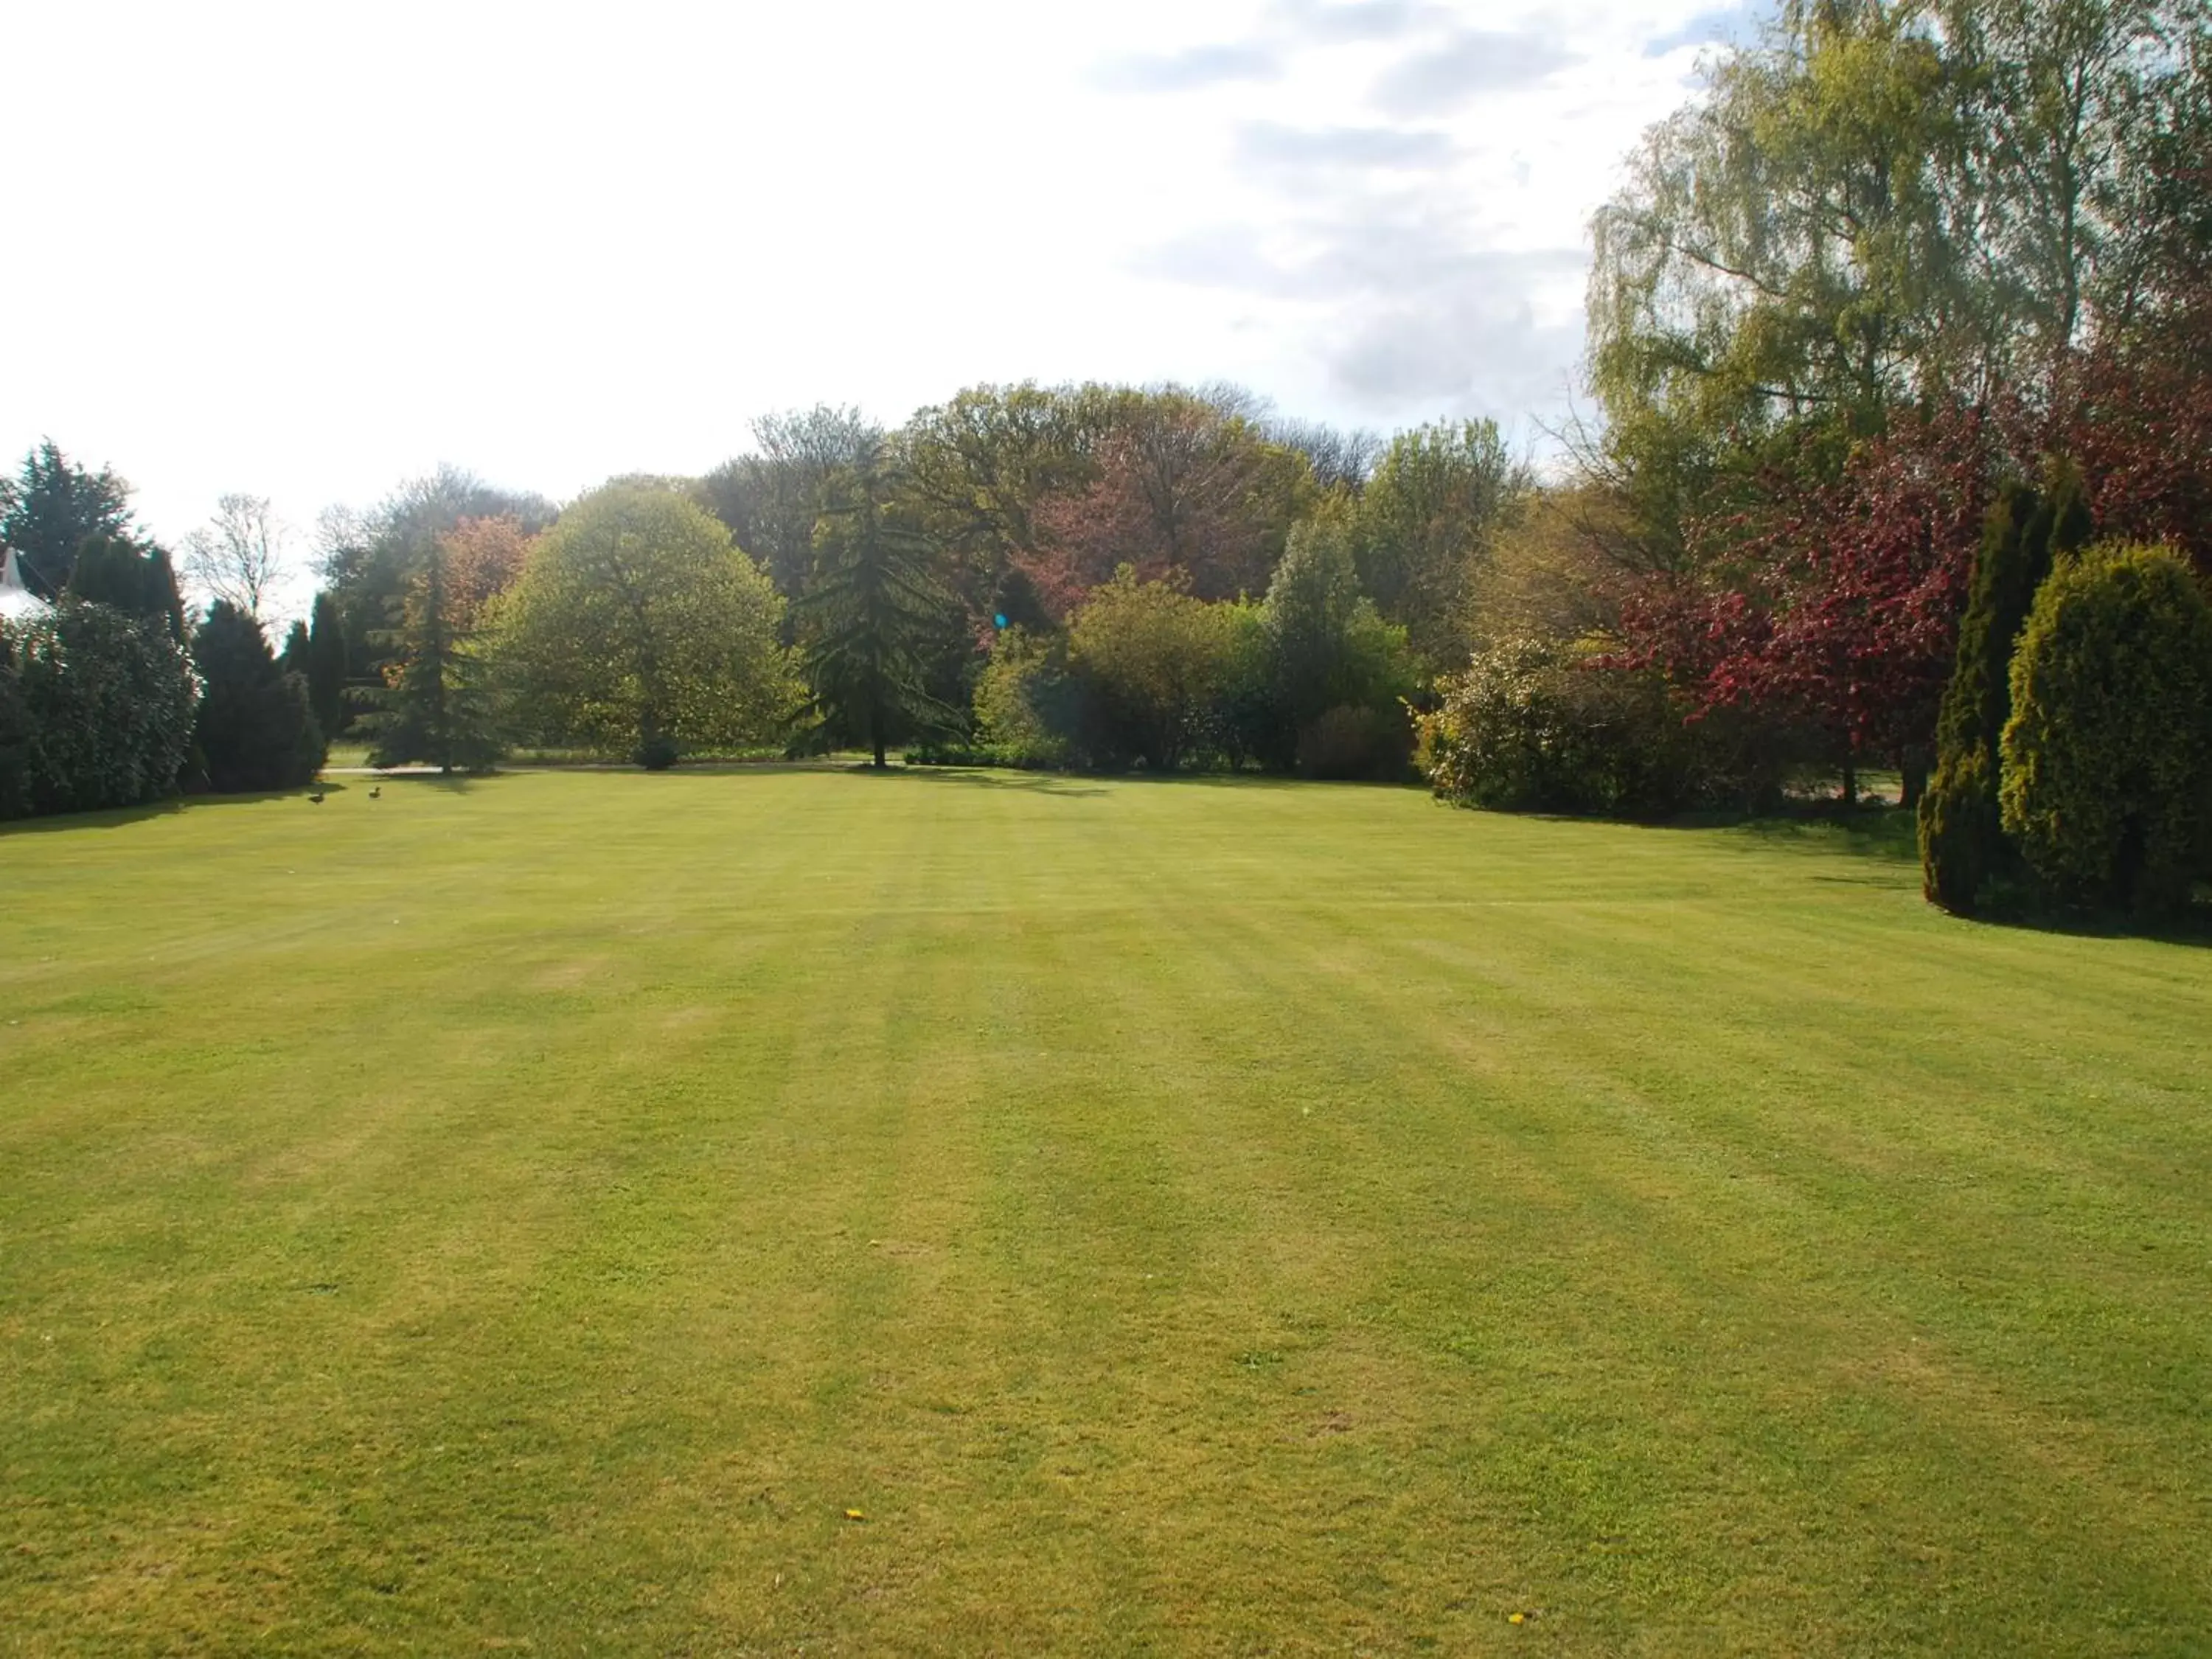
{"x":1879,"y":204}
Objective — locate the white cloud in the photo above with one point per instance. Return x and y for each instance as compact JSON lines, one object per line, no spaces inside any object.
{"x":307,"y":250}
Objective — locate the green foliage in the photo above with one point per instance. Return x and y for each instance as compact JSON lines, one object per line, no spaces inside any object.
{"x":637,"y":622}
{"x":436,"y":704}
{"x":874,"y":609}
{"x":1531,"y":726}
{"x":325,"y":666}
{"x":1961,"y":831}
{"x":1423,"y":524}
{"x":1026,"y":709}
{"x":772,"y":499}
{"x":293,"y":658}
{"x":1152,"y":661}
{"x":103,"y":709}
{"x":979,"y":465}
{"x":1361,"y":743}
{"x":1961,"y":825}
{"x":15,"y":733}
{"x":255,"y":730}
{"x":51,"y":507}
{"x":1149,"y":674}
{"x":113,"y":571}
{"x":1327,"y":647}
{"x":2107,"y":777}
{"x":370,"y":560}
{"x":1878,"y":202}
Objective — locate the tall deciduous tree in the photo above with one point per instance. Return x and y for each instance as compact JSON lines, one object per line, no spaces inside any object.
{"x":366,"y":558}
{"x":240,"y":557}
{"x":979,"y":465}
{"x":1424,"y":525}
{"x":1180,"y":485}
{"x":638,"y":625}
{"x":772,"y":498}
{"x":875,"y":606}
{"x":484,"y":557}
{"x":1833,"y":605}
{"x":1884,"y":202}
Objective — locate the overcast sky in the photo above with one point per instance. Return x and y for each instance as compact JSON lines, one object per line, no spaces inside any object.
{"x":308,"y":250}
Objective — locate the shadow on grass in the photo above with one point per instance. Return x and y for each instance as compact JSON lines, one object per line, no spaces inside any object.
{"x":2193,"y":926}
{"x":120,"y":817}
{"x":452,"y":783}
{"x":1056,"y":784}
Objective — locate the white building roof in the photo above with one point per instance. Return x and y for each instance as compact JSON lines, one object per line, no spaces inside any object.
{"x":15,"y":599}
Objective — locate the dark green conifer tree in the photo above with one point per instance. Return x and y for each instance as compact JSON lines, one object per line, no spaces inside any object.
{"x":255,"y":730}
{"x":1962,"y":840}
{"x":51,"y":507}
{"x":435,"y":704}
{"x":874,"y":607}
{"x":113,"y":571}
{"x":326,"y":665}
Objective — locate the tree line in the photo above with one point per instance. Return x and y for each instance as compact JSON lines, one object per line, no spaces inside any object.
{"x":1900,"y":458}
{"x":1160,"y":577}
{"x":1908,"y":289}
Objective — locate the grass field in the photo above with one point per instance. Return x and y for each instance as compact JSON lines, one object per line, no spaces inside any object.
{"x":1192,"y":1216}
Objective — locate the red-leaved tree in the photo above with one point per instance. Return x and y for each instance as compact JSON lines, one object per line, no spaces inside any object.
{"x":1180,"y":488}
{"x":1833,"y":605}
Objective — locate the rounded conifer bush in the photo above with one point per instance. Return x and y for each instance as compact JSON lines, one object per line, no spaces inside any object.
{"x":2107,"y":773}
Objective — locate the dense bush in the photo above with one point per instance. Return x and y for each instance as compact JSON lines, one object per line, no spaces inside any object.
{"x":15,"y":737}
{"x":1025,"y":701}
{"x":2107,"y":777}
{"x":1326,"y":650}
{"x":1355,"y":742}
{"x":1149,"y":675}
{"x":255,"y":729}
{"x":1532,"y":725}
{"x":105,"y":706}
{"x":1151,"y":661}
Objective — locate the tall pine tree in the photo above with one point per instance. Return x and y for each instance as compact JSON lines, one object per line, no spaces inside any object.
{"x":874,"y":607}
{"x":435,"y":705}
{"x":326,"y":667}
{"x":51,"y":507}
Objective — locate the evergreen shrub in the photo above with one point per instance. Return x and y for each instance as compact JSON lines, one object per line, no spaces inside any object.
{"x":2107,"y":756}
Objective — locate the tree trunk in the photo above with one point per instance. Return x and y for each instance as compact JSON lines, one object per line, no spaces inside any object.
{"x":1851,"y":782}
{"x":1912,"y":767}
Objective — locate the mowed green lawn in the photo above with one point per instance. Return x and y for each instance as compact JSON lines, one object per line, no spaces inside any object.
{"x":1185,"y":1217}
